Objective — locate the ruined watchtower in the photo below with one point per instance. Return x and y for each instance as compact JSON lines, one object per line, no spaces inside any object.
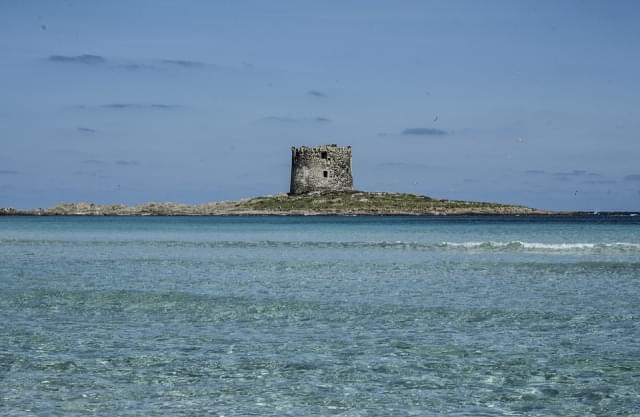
{"x":320,"y":168}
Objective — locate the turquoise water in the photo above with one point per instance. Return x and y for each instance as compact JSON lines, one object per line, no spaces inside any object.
{"x":319,"y":316}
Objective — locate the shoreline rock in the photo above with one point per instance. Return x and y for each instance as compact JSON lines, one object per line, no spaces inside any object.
{"x":341,"y":203}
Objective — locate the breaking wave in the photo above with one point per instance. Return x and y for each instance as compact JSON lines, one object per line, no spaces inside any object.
{"x":547,"y":247}
{"x":487,"y":246}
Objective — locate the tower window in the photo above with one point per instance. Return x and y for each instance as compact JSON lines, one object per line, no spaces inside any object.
{"x":325,"y":173}
{"x":323,"y":155}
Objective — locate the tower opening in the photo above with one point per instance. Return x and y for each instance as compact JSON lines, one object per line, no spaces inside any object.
{"x":325,"y":174}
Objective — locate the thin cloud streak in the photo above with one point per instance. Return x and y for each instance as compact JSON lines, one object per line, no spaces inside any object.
{"x":317,"y":94}
{"x":131,"y":106}
{"x":574,"y":173}
{"x":183,"y":63}
{"x":600,"y":182}
{"x":288,"y":119}
{"x":127,"y":163}
{"x":281,"y":119}
{"x":126,"y":64}
{"x":138,"y":67}
{"x":82,"y":173}
{"x":85,"y":59}
{"x":424,"y":131}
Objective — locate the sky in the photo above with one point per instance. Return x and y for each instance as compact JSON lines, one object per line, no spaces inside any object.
{"x":526,"y":102}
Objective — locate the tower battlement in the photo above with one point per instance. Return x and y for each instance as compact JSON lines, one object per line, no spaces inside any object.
{"x":320,"y":168}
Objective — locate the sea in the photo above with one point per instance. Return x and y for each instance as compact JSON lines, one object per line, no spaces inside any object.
{"x":320,"y":316}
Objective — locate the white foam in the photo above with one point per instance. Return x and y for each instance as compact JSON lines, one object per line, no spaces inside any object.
{"x":564,"y":246}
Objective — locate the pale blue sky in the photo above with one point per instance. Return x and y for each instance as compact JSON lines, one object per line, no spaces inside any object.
{"x":533,"y":102}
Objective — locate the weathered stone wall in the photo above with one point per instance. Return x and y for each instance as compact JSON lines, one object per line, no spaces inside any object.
{"x":7,"y":211}
{"x":320,"y":168}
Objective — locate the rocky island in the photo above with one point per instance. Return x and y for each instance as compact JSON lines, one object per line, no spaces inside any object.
{"x":321,"y":184}
{"x":313,"y":203}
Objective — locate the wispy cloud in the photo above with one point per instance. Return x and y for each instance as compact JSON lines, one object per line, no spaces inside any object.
{"x":632,"y":177}
{"x":165,"y":106}
{"x":85,"y":59}
{"x":86,"y":130}
{"x":317,"y":94}
{"x":8,"y":172}
{"x":424,"y":131}
{"x":93,"y":161}
{"x":121,"y":106}
{"x":534,"y":172}
{"x":281,"y":119}
{"x":83,"y":173}
{"x":288,"y":119}
{"x":137,"y":67}
{"x":126,"y":64}
{"x":161,"y":65}
{"x":574,"y":173}
{"x":600,"y":182}
{"x":90,"y":174}
{"x":131,"y":106}
{"x":127,"y":163}
{"x":183,"y":63}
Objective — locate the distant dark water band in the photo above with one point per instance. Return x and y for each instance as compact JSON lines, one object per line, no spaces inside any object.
{"x":488,"y":246}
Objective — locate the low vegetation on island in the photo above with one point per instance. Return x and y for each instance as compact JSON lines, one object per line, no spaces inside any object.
{"x":315,"y":203}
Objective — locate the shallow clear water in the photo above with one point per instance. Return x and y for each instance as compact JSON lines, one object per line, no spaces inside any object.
{"x":319,"y":316}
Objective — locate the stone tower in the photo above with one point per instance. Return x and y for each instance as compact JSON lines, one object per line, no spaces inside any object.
{"x":321,"y":168}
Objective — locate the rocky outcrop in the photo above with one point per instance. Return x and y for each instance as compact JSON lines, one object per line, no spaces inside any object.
{"x":318,"y":203}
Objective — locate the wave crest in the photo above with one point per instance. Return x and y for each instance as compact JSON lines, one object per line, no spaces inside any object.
{"x":495,"y":246}
{"x":546,"y":247}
